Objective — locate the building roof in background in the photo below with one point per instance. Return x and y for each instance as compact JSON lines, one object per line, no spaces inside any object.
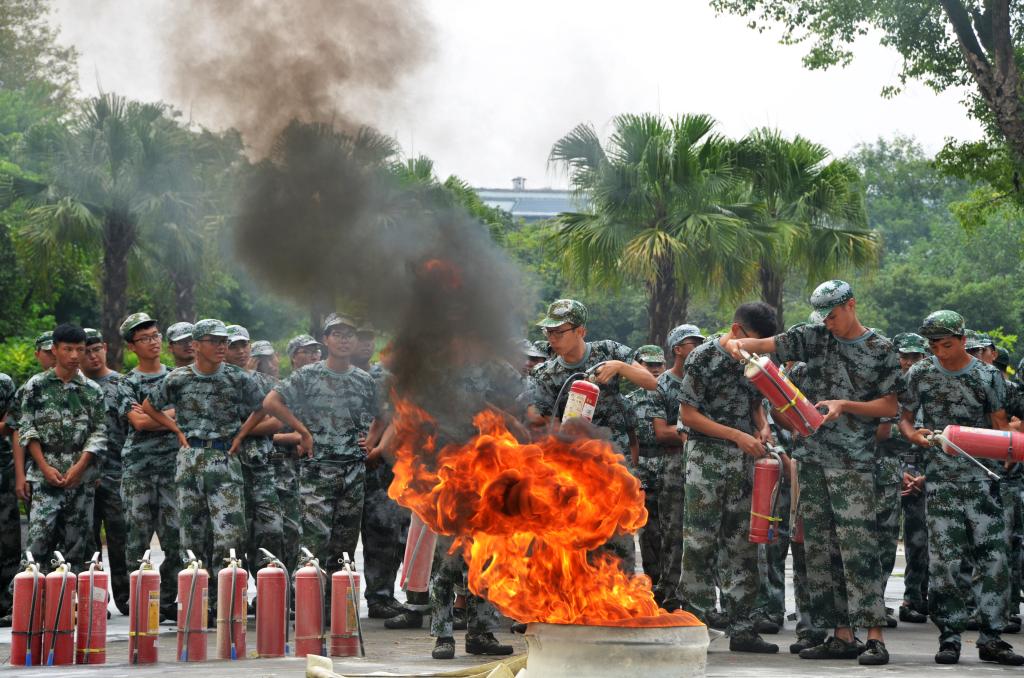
{"x":530,"y":204}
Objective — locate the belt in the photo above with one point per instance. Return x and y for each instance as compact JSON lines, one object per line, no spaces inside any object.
{"x":214,"y":444}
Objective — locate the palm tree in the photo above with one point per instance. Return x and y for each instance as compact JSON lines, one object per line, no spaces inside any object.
{"x":813,"y":207}
{"x":664,"y":210}
{"x":116,"y":175}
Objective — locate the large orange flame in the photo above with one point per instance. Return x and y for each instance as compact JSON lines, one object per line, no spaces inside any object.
{"x":528,"y":517}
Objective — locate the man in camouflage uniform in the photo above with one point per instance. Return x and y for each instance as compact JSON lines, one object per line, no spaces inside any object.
{"x":1010,"y":487}
{"x":981,"y":346}
{"x":965,"y":514}
{"x":852,"y":374}
{"x":149,"y":458}
{"x":10,"y":536}
{"x":179,"y":343}
{"x":63,"y":429}
{"x":209,"y":398}
{"x":109,"y":509}
{"x":22,"y":487}
{"x":728,"y":430}
{"x":671,"y":435}
{"x":44,"y":351}
{"x":262,"y":505}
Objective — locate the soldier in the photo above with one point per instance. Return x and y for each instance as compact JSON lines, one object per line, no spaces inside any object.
{"x":728,"y":430}
{"x":303,"y":350}
{"x":1010,"y":487}
{"x":44,"y":358}
{"x":981,"y":346}
{"x":179,"y":343}
{"x":44,"y":352}
{"x":852,"y":374}
{"x":109,"y":509}
{"x":10,"y":536}
{"x":149,"y":457}
{"x":535,"y":355}
{"x":366,"y":343}
{"x":62,"y":427}
{"x":965,"y":516}
{"x":209,"y":398}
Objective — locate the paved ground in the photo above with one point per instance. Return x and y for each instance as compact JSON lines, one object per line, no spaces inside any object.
{"x":408,"y":653}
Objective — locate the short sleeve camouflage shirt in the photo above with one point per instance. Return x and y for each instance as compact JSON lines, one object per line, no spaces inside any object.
{"x":208,"y":406}
{"x":670,"y":387}
{"x":147,"y":451}
{"x":7,"y":391}
{"x":714,"y":384}
{"x":646,"y":405}
{"x":115,"y":390}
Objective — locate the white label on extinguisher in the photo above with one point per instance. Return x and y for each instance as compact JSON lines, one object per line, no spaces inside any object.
{"x":578,"y":406}
{"x":99,"y":595}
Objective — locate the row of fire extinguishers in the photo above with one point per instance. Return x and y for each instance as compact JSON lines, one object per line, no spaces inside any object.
{"x":61,"y":618}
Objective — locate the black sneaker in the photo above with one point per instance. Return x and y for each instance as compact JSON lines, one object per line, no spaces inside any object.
{"x":444,"y":648}
{"x":459,"y":618}
{"x":717,"y":620}
{"x":874,"y":654}
{"x":890,"y":621}
{"x":1011,"y":626}
{"x":766,"y":625}
{"x":804,"y":643}
{"x":912,"y":616}
{"x":382,"y":610}
{"x":410,"y":619}
{"x":751,"y":642}
{"x":833,"y":648}
{"x":949,"y":653}
{"x":485,"y":643}
{"x":1000,"y":652}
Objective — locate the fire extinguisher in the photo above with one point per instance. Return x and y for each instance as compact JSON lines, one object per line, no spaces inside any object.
{"x":92,"y":614}
{"x":986,"y":443}
{"x":272,"y":611}
{"x":59,"y":603}
{"x":232,"y":585}
{"x":27,"y":615}
{"x":583,"y":395}
{"x":143,"y":612}
{"x":765,"y":497}
{"x":310,"y":598}
{"x":346,"y":630}
{"x":782,"y":394}
{"x":193,"y":610}
{"x":419,"y":556}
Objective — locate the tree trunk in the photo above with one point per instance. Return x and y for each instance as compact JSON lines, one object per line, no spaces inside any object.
{"x":184,"y":299}
{"x":667,"y":303}
{"x":772,"y":284}
{"x":118,"y":240}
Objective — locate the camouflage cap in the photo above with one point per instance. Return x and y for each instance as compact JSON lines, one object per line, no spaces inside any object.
{"x":681,"y":333}
{"x":564,"y":311}
{"x":365,"y":328}
{"x":977,"y":339}
{"x":910,"y":342}
{"x":1002,"y":360}
{"x":543,"y":348}
{"x":299,"y":342}
{"x":44,"y":342}
{"x":209,"y":327}
{"x":649,"y":353}
{"x":942,"y":324}
{"x":179,"y":331}
{"x":335,"y":319}
{"x":133,"y":321}
{"x":531,"y":350}
{"x":92,"y":336}
{"x":237,"y":333}
{"x":261,"y":348}
{"x":827,"y":296}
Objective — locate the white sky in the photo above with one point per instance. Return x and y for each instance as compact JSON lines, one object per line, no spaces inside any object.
{"x":509,"y":78}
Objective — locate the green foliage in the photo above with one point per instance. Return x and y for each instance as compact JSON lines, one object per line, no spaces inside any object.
{"x":18,"y":359}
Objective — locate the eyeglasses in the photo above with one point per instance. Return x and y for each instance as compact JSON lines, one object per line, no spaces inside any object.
{"x":308,"y":351}
{"x":93,"y":350}
{"x":216,"y":341}
{"x":147,"y":338}
{"x":557,"y":333}
{"x":341,"y":334}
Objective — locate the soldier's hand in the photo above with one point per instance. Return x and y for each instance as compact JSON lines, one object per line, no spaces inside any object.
{"x":922,"y":437}
{"x":833,"y":408}
{"x":23,"y":489}
{"x":305,"y":444}
{"x":74,"y":476}
{"x":606,"y":372}
{"x":750,"y":445}
{"x":373,"y":458}
{"x":53,"y":476}
{"x":236,"y":443}
{"x":733,"y":347}
{"x":182,"y":440}
{"x":362,"y":443}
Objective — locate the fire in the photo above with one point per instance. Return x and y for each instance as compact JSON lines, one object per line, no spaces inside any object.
{"x":528,"y":517}
{"x":445,"y":273}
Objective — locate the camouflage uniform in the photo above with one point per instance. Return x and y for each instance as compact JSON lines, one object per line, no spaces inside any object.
{"x":262,"y":504}
{"x":148,"y":489}
{"x":718,"y":491}
{"x":650,"y":470}
{"x":888,"y":484}
{"x":67,"y":420}
{"x":338,"y":409}
{"x":448,"y":574}
{"x":10,"y":536}
{"x":965,"y":513}
{"x":915,"y":526}
{"x":672,"y":492}
{"x":1010,"y":487}
{"x":284,"y":461}
{"x":836,"y":473}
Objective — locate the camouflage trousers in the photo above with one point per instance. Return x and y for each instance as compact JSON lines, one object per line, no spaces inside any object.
{"x":448,"y":575}
{"x":210,"y":505}
{"x":385,"y":527}
{"x":888,"y":474}
{"x":150,"y":502}
{"x":717,"y":518}
{"x":650,"y":472}
{"x":109,"y":512}
{"x":10,"y":536}
{"x":671,"y":510}
{"x":262,"y":505}
{"x":332,"y":508}
{"x":61,"y":520}
{"x":1009,"y":490}
{"x":287,"y":475}
{"x":966,"y":522}
{"x":915,"y":546}
{"x":844,"y":570}
{"x":771,"y":561}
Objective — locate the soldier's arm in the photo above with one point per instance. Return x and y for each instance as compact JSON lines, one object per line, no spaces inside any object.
{"x":635,"y":373}
{"x":1000,"y":421}
{"x":709,"y":427}
{"x":918,"y":437}
{"x":165,"y":421}
{"x":886,"y":406}
{"x":21,"y":487}
{"x":665,"y":434}
{"x":751,"y":345}
{"x":268,"y":427}
{"x":275,"y":405}
{"x":141,"y":421}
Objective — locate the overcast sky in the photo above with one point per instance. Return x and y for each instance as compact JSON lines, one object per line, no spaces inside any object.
{"x":507,"y":79}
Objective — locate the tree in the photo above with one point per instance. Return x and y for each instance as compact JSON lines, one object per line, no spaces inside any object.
{"x":663,"y":213}
{"x":813,"y":207}
{"x":30,"y":58}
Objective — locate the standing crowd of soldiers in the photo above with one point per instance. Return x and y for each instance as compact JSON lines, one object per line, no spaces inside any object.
{"x":221,"y":453}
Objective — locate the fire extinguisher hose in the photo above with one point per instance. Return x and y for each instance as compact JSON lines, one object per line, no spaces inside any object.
{"x":188,"y":631}
{"x":32,"y":607}
{"x":231,"y":608}
{"x":349,"y":568}
{"x":274,"y":561}
{"x":939,"y":438}
{"x":59,"y":561}
{"x":92,"y":587}
{"x":138,"y":612}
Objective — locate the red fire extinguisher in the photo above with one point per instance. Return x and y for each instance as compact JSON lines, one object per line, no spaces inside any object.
{"x":983,"y":442}
{"x":346,"y":631}
{"x":782,"y":394}
{"x":59,"y":619}
{"x":582,"y":401}
{"x":310,"y":598}
{"x":272,"y":609}
{"x":232,"y":585}
{"x":763,"y":521}
{"x":419,"y":556}
{"x":193,"y":610}
{"x":27,"y":615}
{"x":143,"y":612}
{"x":91,"y":646}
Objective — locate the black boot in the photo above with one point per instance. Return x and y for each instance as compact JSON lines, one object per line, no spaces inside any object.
{"x":912,"y":616}
{"x":874,"y":654}
{"x":444,"y":648}
{"x":485,"y":643}
{"x":410,"y":619}
{"x":949,"y":653}
{"x":751,"y":642}
{"x":1000,"y":652}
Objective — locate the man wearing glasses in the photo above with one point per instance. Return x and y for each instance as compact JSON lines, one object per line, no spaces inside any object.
{"x":179,"y":343}
{"x":303,"y":350}
{"x":149,"y":458}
